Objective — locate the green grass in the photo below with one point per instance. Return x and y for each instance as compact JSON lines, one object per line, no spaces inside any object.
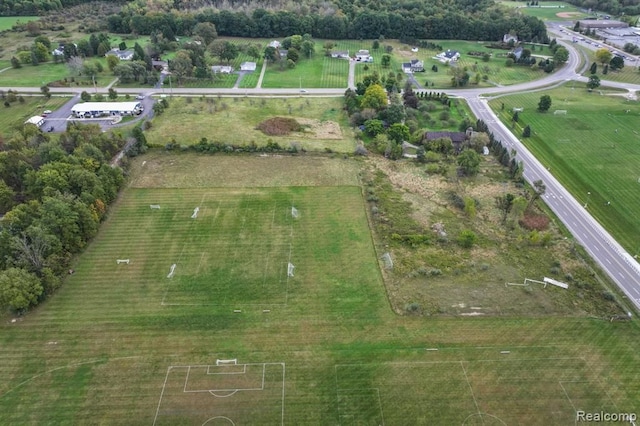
{"x":6,"y":22}
{"x":318,"y":71}
{"x":104,"y":348}
{"x":549,"y":11}
{"x":584,"y":151}
{"x":45,"y":73}
{"x":189,"y":120}
{"x":13,"y":118}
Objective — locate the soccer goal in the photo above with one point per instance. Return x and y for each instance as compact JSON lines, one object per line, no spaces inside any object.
{"x":295,"y":213}
{"x":290,"y":269}
{"x":560,"y":112}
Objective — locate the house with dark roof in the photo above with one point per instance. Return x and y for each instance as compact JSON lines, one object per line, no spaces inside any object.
{"x":341,"y":54}
{"x":458,"y":139}
{"x":448,"y":56}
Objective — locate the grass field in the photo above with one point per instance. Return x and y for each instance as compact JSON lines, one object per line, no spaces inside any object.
{"x":6,"y":22}
{"x":36,"y":76}
{"x":15,"y":116}
{"x":234,"y":120}
{"x":318,"y":71}
{"x":599,"y":154}
{"x":549,"y":10}
{"x":105,"y":350}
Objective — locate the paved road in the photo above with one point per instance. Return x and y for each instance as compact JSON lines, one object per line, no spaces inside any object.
{"x":613,"y":259}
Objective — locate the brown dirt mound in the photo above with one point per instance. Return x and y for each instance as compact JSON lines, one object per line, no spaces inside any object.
{"x":279,"y":126}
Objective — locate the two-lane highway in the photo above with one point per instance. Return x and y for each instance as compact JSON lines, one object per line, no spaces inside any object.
{"x":611,"y":257}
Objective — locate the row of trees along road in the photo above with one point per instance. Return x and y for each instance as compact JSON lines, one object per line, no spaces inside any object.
{"x":54,"y":192}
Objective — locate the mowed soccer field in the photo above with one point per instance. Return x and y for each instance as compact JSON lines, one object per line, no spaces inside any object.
{"x":593,"y":148}
{"x":232,"y":336}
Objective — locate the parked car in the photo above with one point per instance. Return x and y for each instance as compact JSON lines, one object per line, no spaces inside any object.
{"x":140,"y":97}
{"x":46,"y":112}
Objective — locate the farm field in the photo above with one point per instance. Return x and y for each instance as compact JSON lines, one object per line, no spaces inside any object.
{"x":39,"y":75}
{"x":599,"y":155}
{"x":234,"y":120}
{"x":106,"y":350}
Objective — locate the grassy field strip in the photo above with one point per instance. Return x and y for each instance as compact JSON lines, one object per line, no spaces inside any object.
{"x":599,"y":155}
{"x":6,"y":22}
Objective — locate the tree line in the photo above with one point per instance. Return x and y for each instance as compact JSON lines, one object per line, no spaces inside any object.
{"x":403,"y":24}
{"x":54,"y":192}
{"x":36,"y":7}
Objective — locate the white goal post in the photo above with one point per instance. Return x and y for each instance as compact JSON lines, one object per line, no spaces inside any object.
{"x":227,"y":361}
{"x":560,"y":112}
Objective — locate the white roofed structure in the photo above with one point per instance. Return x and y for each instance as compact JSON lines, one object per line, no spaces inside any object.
{"x":36,"y":119}
{"x":97,"y":109}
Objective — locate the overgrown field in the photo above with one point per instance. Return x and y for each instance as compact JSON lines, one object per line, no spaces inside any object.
{"x":105,"y":349}
{"x":234,"y":121}
{"x":594,"y":148}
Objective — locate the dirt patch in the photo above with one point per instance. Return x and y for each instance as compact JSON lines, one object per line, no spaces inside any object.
{"x":320,"y":129}
{"x":279,"y":126}
{"x":568,"y":15}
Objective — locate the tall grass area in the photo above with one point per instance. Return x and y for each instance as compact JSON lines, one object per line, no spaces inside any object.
{"x":234,"y":121}
{"x":106,"y":350}
{"x":594,"y":148}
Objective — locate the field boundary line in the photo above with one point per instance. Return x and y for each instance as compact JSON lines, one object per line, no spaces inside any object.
{"x":458,"y":361}
{"x":566,"y":394}
{"x":475,"y":401}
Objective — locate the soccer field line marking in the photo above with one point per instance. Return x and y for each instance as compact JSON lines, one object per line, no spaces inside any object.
{"x":566,"y":394}
{"x":266,"y":263}
{"x":244,"y":369}
{"x":286,"y":286}
{"x":188,"y":367}
{"x":463,"y":360}
{"x":213,"y":392}
{"x":475,"y":401}
{"x":200,"y":262}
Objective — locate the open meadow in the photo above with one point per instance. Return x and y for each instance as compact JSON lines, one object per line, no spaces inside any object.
{"x":234,"y":121}
{"x":7,"y":22}
{"x":593,"y":150}
{"x":233,"y":334}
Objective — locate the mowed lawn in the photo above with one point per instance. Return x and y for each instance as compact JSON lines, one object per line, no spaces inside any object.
{"x":594,"y":148}
{"x":549,"y":10}
{"x":6,"y":22}
{"x":234,"y":121}
{"x":13,"y":117}
{"x":106,"y":350}
{"x":319,"y":71}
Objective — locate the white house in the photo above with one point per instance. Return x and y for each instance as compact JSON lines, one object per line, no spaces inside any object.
{"x":36,"y":120}
{"x":340,"y":54}
{"x":363,"y":56}
{"x":248,"y":66}
{"x":509,"y":37}
{"x":99,"y":109}
{"x":222,"y":69}
{"x":414,"y":66}
{"x":123,"y":55}
{"x":448,"y":56}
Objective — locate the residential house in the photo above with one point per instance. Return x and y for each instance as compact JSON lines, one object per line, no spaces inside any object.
{"x":36,"y":120}
{"x":275,"y":44}
{"x":517,"y":52}
{"x":283,"y":53}
{"x":458,"y":139}
{"x":248,"y":66}
{"x":340,"y":54}
{"x":448,"y":56}
{"x":123,"y":55}
{"x":364,"y":56}
{"x":413,"y":66}
{"x":510,"y":38}
{"x":222,"y":69}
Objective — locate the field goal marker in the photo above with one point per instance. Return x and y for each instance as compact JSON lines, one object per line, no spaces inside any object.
{"x":560,"y":112}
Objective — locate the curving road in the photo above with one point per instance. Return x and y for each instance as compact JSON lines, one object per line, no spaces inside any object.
{"x":611,"y":257}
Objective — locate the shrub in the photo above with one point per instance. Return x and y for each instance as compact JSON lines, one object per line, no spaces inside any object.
{"x":533,"y":222}
{"x":467,"y":238}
